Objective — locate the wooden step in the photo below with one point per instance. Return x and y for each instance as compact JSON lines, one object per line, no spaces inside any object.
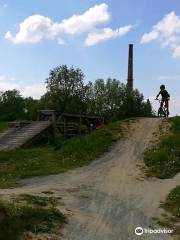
{"x":16,"y":137}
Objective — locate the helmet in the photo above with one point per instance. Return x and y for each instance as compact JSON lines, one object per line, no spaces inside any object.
{"x":162,"y":87}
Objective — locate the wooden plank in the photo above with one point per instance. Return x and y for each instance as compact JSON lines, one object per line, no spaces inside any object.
{"x":23,"y":135}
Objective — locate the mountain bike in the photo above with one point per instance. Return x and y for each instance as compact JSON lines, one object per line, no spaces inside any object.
{"x":162,"y":111}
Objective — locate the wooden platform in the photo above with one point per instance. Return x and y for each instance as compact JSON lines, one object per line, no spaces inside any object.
{"x":22,"y":133}
{"x":15,"y":137}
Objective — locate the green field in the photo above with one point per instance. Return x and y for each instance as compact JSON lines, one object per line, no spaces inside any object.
{"x":173,"y":202}
{"x":44,"y":160}
{"x":17,"y":219}
{"x":164,"y":162}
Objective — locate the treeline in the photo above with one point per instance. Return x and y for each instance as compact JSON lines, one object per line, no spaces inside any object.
{"x":67,"y":92}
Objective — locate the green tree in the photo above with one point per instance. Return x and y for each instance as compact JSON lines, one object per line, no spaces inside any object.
{"x":114,"y":97}
{"x":65,"y":89}
{"x":12,"y":105}
{"x":67,"y":92}
{"x":147,"y":109}
{"x":100,"y":96}
{"x":31,"y":107}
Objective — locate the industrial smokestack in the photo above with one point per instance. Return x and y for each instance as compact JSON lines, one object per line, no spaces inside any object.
{"x":130,"y":68}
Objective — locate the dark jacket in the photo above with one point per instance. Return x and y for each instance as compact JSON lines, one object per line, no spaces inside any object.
{"x":164,"y":94}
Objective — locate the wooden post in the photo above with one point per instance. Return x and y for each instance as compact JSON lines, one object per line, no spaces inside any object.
{"x":65,"y":127}
{"x":38,"y":116}
{"x":54,"y":116}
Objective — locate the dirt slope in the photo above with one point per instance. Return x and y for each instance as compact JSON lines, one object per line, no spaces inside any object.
{"x":109,"y":198}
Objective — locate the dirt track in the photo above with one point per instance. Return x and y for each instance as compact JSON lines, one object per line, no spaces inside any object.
{"x":109,"y":198}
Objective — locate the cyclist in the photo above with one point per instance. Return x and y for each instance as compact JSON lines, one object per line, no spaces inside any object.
{"x":165,"y":97}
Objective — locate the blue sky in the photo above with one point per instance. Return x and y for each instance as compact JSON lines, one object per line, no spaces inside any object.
{"x":38,"y":35}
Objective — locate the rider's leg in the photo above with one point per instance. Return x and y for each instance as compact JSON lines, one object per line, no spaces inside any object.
{"x":162,"y":102}
{"x":167,"y":105}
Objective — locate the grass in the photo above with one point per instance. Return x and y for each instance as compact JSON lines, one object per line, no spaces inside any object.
{"x":37,"y":200}
{"x":172,"y":203}
{"x":164,"y":161}
{"x":3,"y":125}
{"x":15,"y":220}
{"x":38,"y":161}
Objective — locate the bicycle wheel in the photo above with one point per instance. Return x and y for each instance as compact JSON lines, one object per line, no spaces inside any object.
{"x":166,"y":112}
{"x":161,"y":113}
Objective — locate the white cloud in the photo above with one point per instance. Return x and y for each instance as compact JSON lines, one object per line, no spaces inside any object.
{"x":60,"y":41}
{"x":35,"y":90}
{"x":167,"y":32}
{"x":7,"y":83}
{"x":148,"y":37}
{"x":105,"y":34}
{"x":174,"y":105}
{"x":174,"y":77}
{"x":83,"y":23}
{"x":176,"y":52}
{"x":8,"y":35}
{"x":35,"y":28}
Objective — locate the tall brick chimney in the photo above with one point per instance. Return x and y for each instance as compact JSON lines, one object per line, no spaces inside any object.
{"x":130,"y":68}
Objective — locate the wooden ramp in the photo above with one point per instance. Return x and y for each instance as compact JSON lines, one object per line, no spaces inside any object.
{"x":16,"y":137}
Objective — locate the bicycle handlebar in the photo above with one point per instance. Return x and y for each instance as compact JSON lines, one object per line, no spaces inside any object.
{"x":157,"y":99}
{"x":160,"y":100}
